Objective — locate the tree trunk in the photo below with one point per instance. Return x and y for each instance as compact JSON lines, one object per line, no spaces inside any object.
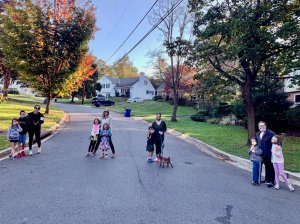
{"x":72,"y":99}
{"x":249,"y":106}
{"x":175,"y":106}
{"x":83,"y":94}
{"x":48,"y":105}
{"x":6,"y":82}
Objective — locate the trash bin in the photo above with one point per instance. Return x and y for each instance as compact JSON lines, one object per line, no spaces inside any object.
{"x":127,"y":112}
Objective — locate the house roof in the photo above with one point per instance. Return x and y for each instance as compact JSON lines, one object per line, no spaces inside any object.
{"x":161,"y":87}
{"x":123,"y":81}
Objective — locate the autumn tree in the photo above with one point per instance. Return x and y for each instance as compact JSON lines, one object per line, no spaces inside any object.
{"x":104,"y":68}
{"x":45,"y":41}
{"x":238,"y":37}
{"x":6,"y":73}
{"x":84,"y":71}
{"x":124,"y":68}
{"x":175,"y":30}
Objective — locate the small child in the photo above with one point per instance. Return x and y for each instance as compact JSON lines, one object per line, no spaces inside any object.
{"x":94,"y":136}
{"x":255,"y":155}
{"x":150,"y":144}
{"x":105,"y":138}
{"x":23,"y":121}
{"x":278,"y":162}
{"x":13,"y":134}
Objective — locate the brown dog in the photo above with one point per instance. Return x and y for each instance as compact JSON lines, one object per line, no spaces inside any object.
{"x":164,"y":160}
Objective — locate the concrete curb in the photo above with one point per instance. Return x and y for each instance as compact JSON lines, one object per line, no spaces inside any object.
{"x":241,"y":163}
{"x":44,"y":134}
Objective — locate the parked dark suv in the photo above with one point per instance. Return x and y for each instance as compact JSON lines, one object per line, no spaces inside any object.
{"x":101,"y":101}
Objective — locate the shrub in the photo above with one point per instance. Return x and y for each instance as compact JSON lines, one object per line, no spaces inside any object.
{"x":201,"y":116}
{"x":229,"y":120}
{"x":213,"y":120}
{"x":157,"y":98}
{"x":223,"y":109}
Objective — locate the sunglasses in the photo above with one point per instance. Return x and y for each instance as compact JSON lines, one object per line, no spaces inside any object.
{"x":38,"y":108}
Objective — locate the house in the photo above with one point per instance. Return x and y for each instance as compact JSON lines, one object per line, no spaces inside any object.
{"x":16,"y":86}
{"x":293,"y":91}
{"x":131,"y":87}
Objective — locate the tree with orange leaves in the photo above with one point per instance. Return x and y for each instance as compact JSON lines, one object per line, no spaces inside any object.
{"x":46,"y":40}
{"x":76,"y":80}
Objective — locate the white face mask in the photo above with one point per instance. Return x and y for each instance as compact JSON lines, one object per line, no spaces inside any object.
{"x":15,"y":123}
{"x":22,"y":116}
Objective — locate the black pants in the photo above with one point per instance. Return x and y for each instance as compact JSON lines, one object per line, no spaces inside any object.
{"x":92,"y":145}
{"x":270,"y":173}
{"x":158,"y":145}
{"x":110,"y":144}
{"x":37,"y":133}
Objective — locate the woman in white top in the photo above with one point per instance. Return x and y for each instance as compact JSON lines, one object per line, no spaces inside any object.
{"x":106,"y":119}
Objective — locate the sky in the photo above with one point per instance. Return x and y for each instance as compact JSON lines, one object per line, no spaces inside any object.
{"x":115,"y":20}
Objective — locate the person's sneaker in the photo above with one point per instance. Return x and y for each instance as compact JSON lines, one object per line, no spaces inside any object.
{"x":253,"y":183}
{"x":101,"y":157}
{"x":39,"y":150}
{"x":88,"y":154}
{"x":149,"y":160}
{"x":264,"y":182}
{"x":291,"y":188}
{"x":30,"y":152}
{"x":270,"y":185}
{"x":113,"y":156}
{"x":276,"y":187}
{"x":105,"y":157}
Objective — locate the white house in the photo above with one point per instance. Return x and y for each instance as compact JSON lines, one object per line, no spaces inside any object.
{"x":293,"y":91}
{"x":16,"y":85}
{"x":136,"y":87}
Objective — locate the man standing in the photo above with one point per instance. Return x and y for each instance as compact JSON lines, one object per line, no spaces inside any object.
{"x":160,"y":128}
{"x":264,"y":137}
{"x":35,"y":120}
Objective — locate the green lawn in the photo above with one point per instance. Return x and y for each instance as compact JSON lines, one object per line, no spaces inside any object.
{"x":232,"y":139}
{"x":150,"y":108}
{"x":11,"y":109}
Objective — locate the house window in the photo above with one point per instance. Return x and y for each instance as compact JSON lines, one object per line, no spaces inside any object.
{"x":147,"y":91}
{"x":145,"y":82}
{"x":297,"y":99}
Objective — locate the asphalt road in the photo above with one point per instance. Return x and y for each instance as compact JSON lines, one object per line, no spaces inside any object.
{"x":61,"y":185}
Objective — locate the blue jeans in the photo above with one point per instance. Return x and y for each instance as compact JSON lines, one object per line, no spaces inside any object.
{"x":256,"y":171}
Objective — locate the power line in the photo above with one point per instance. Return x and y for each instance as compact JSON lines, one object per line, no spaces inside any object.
{"x":118,"y":21}
{"x":152,"y":29}
{"x":132,"y":31}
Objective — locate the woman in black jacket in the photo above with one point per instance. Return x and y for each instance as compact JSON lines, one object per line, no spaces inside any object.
{"x":160,"y":128}
{"x":35,"y":121}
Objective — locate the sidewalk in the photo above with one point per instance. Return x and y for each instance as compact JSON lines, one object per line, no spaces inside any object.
{"x":219,"y":154}
{"x":44,"y":134}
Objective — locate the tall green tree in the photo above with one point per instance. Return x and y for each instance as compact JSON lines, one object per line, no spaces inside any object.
{"x":46,"y":40}
{"x":125,"y":69}
{"x":238,"y":37}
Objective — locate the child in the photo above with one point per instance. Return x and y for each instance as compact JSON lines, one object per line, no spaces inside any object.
{"x":23,"y":121}
{"x":255,"y":155}
{"x":105,"y":135}
{"x":13,"y":136}
{"x":94,"y":136}
{"x":278,"y":162}
{"x":150,"y":144}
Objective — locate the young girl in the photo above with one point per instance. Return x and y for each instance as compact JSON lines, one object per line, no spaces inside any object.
{"x":150,"y":144}
{"x":278,"y":162}
{"x":13,"y":134}
{"x":105,"y":135}
{"x":94,"y":136}
{"x":255,"y":155}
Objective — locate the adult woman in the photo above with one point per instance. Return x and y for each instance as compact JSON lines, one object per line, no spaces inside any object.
{"x":160,"y":128}
{"x":106,"y":119}
{"x":35,"y":121}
